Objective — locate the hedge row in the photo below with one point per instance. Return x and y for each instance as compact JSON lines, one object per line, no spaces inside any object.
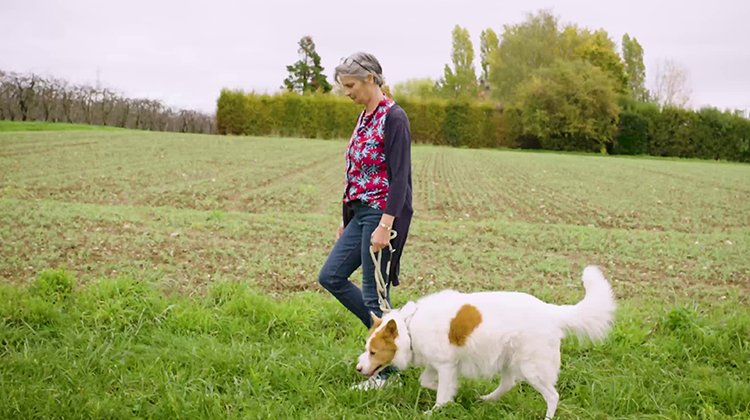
{"x":289,"y":115}
{"x":329,"y":116}
{"x":642,"y":129}
{"x":706,"y":134}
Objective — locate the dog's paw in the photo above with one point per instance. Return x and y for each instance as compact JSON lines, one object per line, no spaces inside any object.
{"x":487,"y":397}
{"x":433,"y":410}
{"x":437,"y":407}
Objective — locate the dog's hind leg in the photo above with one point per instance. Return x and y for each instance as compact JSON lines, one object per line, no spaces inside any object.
{"x":542,"y":377}
{"x":551,"y":397}
{"x":540,"y":370}
{"x":507,"y":381}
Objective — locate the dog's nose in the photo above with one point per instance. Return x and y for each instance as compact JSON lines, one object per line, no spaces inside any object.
{"x":359,"y":368}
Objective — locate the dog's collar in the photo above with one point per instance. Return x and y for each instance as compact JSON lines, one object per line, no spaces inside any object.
{"x":407,"y":321}
{"x":408,"y":311}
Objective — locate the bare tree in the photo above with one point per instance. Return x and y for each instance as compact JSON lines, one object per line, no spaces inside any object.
{"x":6,"y":93}
{"x":671,"y":86}
{"x":33,"y":97}
{"x":67,"y":98}
{"x":121,"y":111}
{"x":48,"y":102}
{"x":24,"y":94}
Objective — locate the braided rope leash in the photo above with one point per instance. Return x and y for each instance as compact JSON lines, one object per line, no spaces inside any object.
{"x":380,"y":282}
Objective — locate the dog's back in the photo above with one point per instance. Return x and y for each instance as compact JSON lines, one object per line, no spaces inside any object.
{"x":487,"y":332}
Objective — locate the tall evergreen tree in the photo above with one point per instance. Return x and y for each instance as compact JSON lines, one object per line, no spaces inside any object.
{"x":306,"y":75}
{"x":461,"y":81}
{"x":632,"y":55}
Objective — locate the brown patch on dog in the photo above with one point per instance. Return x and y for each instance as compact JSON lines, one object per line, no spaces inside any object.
{"x":463,"y":324}
{"x":375,"y":324}
{"x":383,"y":345}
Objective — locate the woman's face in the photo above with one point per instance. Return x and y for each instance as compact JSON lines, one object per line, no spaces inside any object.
{"x":357,"y":90}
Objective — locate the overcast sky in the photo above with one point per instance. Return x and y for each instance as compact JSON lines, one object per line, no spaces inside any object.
{"x":184,"y":52}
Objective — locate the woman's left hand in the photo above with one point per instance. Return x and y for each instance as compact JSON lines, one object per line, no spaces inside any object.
{"x":380,"y":238}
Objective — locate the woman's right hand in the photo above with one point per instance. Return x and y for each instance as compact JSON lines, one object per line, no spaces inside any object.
{"x":340,"y":231}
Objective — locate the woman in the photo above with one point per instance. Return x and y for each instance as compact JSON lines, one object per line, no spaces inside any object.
{"x":377,"y":197}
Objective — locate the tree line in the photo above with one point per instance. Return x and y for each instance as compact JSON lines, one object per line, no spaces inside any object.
{"x":31,"y":97}
{"x":555,"y":86}
{"x":509,"y":59}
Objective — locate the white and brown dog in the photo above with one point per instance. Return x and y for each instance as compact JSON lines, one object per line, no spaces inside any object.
{"x":454,"y":334}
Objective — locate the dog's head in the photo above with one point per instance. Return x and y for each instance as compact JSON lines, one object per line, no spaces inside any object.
{"x":388,"y":342}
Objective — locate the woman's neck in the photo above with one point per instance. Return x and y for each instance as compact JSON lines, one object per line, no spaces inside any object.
{"x":372,"y":104}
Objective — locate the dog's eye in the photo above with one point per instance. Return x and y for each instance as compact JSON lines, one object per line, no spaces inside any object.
{"x":372,"y":353}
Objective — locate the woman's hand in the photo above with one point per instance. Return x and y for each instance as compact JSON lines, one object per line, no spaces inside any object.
{"x":380,"y":238}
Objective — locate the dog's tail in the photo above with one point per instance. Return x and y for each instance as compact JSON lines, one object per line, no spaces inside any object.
{"x":591,"y":317}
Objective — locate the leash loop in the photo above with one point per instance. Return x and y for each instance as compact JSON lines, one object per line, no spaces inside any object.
{"x":381,"y":283}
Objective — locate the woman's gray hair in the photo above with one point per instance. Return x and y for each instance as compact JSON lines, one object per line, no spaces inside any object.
{"x":359,"y":65}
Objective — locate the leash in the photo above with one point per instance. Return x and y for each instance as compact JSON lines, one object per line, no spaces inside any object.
{"x":381,"y":283}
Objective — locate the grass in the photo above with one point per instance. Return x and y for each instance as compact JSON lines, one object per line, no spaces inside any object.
{"x":120,"y":348}
{"x":6,"y":125}
{"x":191,"y":262}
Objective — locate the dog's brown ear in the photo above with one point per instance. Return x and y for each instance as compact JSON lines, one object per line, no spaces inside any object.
{"x":375,"y":319}
{"x":391,"y":330}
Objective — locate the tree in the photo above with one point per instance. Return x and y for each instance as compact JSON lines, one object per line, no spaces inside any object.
{"x":416,"y":89}
{"x":632,"y":55}
{"x":461,"y":81}
{"x":306,"y":75}
{"x":539,"y":42}
{"x":35,"y":98}
{"x":598,"y":49}
{"x":523,"y":49}
{"x":569,"y":105}
{"x":488,"y":43}
{"x":671,"y":87}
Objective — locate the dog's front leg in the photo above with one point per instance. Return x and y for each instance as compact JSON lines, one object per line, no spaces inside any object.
{"x":429,"y":379}
{"x":447,"y":384}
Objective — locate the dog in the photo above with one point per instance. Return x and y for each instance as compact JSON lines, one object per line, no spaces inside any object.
{"x":453,"y":334}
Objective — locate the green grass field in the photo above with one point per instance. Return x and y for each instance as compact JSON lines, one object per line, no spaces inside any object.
{"x":47,"y":126}
{"x":190,"y":283}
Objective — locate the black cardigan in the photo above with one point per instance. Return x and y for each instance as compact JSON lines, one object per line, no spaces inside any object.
{"x":398,"y":167}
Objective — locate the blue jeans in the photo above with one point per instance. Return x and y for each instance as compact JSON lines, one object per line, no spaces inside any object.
{"x":351,"y":251}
